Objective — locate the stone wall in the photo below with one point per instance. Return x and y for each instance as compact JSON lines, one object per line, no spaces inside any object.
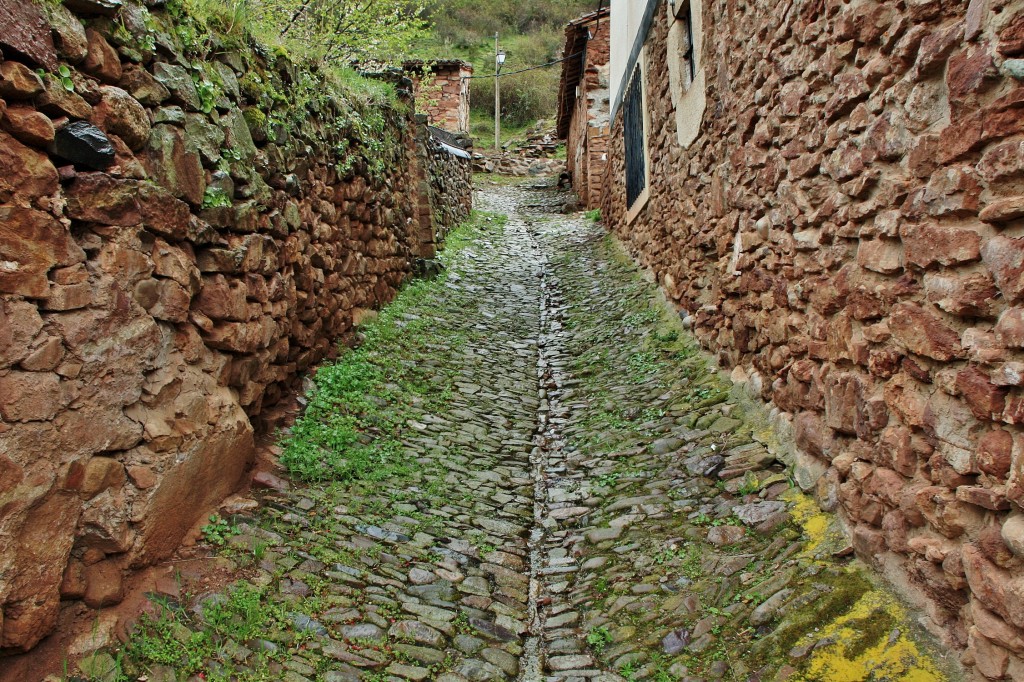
{"x":449,"y":191}
{"x":513,"y":164}
{"x":845,"y":233}
{"x":587,"y":141}
{"x":185,"y":228}
{"x":442,"y":91}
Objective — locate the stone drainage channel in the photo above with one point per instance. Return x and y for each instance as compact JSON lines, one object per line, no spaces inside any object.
{"x":549,"y":441}
{"x":548,"y":446}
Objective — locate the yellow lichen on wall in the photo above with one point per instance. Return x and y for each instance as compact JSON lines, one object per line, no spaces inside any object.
{"x":869,"y":640}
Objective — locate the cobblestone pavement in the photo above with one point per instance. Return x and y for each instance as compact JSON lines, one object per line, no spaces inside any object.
{"x":584,"y":500}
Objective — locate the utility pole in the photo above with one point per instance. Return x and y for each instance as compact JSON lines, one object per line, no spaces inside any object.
{"x":497,"y":95}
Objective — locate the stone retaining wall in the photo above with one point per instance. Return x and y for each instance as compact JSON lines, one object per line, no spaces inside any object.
{"x":185,"y":228}
{"x":519,"y":166}
{"x":845,"y":233}
{"x":449,"y":193}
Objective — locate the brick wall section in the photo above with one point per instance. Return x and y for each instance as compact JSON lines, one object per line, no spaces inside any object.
{"x":143,"y":337}
{"x":587,"y":142}
{"x":846,"y":230}
{"x":443,"y":93}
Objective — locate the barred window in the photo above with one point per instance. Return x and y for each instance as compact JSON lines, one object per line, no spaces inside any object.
{"x":634,"y":138}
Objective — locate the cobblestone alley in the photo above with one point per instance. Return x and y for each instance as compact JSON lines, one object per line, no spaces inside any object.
{"x":548,"y":483}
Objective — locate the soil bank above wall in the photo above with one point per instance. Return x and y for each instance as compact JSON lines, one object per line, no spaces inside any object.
{"x":185,"y":227}
{"x":846,"y":230}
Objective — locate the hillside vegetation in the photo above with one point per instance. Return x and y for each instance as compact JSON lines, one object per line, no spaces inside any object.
{"x":531,"y":32}
{"x":335,"y":33}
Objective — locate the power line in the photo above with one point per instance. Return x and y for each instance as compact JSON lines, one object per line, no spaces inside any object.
{"x":600,"y":6}
{"x":532,"y":68}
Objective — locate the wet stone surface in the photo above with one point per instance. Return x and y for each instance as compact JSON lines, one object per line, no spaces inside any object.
{"x":588,"y":502}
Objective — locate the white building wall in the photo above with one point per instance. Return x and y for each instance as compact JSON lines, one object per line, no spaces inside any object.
{"x":626,"y":20}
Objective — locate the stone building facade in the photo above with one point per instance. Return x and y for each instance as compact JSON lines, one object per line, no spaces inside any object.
{"x":584,"y":105}
{"x":174,"y":253}
{"x":441,"y":89}
{"x":832,"y":192}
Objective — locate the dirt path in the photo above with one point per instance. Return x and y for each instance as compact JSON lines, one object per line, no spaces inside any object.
{"x":552,"y":486}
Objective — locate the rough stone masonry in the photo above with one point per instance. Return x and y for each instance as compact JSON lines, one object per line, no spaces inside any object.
{"x":845,"y":231}
{"x":185,"y":226}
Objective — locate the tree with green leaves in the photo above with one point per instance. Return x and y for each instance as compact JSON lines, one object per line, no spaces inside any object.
{"x":344,"y":31}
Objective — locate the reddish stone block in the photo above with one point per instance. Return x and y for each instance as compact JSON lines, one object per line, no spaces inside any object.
{"x":31,"y":243}
{"x":101,"y":198}
{"x":29,"y":396}
{"x":968,"y":71}
{"x":26,"y":31}
{"x":223,"y":299}
{"x":25,"y":174}
{"x":104,"y":584}
{"x":102,"y":60}
{"x":880,"y":255}
{"x":949,"y":516}
{"x":1003,"y":210}
{"x":850,"y":88}
{"x":869,"y":544}
{"x":172,"y":302}
{"x":924,"y":333}
{"x":1010,"y":328}
{"x":28,"y":126}
{"x":57,"y":101}
{"x":927,"y":245}
{"x":1002,"y":161}
{"x":998,"y":590}
{"x":885,"y":484}
{"x":842,"y":395}
{"x":994,"y":452}
{"x":1004,"y":257}
{"x":973,"y":295}
{"x":985,"y":400}
{"x":961,"y":137}
{"x":907,"y":399}
{"x":935,"y":49}
{"x":18,"y":82}
{"x":986,"y":498}
{"x":1001,"y":122}
{"x":1011,"y":38}
{"x":1014,"y":411}
{"x":812,"y":435}
{"x":119,"y":113}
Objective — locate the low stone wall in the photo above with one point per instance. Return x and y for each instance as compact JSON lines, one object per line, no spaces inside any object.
{"x":446,"y":193}
{"x":519,"y":166}
{"x":845,"y":233}
{"x":185,"y":228}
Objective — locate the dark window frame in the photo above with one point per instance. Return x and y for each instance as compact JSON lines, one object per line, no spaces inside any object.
{"x":635,"y":138}
{"x":689,"y":54}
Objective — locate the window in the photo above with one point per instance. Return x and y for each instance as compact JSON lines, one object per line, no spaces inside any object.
{"x":634,"y":138}
{"x":686,"y":72}
{"x":688,"y":57}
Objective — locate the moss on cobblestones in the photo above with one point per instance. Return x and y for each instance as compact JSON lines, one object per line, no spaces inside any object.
{"x":352,"y":426}
{"x":673,"y":452}
{"x":533,"y":422}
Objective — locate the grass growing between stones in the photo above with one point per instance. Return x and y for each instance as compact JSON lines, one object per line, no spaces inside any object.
{"x":353,"y":424}
{"x":649,"y":414}
{"x":331,"y":554}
